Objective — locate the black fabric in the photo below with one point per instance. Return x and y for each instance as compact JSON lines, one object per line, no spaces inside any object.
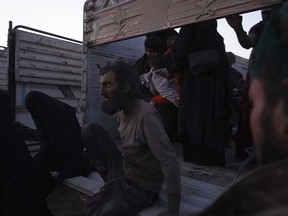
{"x":203,"y":61}
{"x":5,"y":111}
{"x":168,"y":113}
{"x":204,"y":106}
{"x":23,"y":187}
{"x":60,"y":133}
{"x":28,"y":133}
{"x":141,"y":67}
{"x":201,"y":154}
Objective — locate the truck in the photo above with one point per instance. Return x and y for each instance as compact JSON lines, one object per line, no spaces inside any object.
{"x":114,"y":30}
{"x":113,"y":27}
{"x":39,"y":60}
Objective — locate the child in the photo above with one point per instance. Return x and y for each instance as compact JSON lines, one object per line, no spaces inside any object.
{"x":160,"y":82}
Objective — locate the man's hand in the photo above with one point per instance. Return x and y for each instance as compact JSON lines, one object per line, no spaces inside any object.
{"x":166,"y":213}
{"x":234,"y":21}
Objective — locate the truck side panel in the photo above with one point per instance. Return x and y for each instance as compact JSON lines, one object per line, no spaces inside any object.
{"x":49,"y":65}
{"x":126,"y":19}
{"x":3,"y":69}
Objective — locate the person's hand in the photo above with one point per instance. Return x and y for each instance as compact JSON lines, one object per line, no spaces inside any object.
{"x":234,"y":20}
{"x":166,"y":213}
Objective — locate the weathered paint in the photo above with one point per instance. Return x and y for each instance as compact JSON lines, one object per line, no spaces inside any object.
{"x":3,"y":69}
{"x":50,"y":65}
{"x":119,"y":20}
{"x":42,"y":59}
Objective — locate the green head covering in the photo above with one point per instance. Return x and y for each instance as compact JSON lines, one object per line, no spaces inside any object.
{"x":271,"y":64}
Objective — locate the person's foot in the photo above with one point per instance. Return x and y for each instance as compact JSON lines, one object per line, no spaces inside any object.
{"x":92,"y":200}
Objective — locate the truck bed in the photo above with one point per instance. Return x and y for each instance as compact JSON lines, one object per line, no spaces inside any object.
{"x":201,"y":185}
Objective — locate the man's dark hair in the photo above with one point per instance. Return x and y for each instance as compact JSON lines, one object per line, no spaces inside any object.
{"x":124,"y":75}
{"x":271,"y":66}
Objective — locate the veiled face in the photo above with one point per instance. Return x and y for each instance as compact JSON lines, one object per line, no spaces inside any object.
{"x":112,"y":93}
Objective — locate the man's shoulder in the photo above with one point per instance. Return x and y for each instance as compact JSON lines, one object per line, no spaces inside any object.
{"x":143,"y":107}
{"x":257,"y":28}
{"x":144,"y":110}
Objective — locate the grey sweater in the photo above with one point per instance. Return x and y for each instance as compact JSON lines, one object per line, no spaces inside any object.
{"x":148,"y":155}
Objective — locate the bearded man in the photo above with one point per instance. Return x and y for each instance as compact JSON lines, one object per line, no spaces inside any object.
{"x":136,"y":167}
{"x":264,"y":190}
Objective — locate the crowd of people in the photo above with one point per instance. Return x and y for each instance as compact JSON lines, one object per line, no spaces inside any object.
{"x":185,"y":92}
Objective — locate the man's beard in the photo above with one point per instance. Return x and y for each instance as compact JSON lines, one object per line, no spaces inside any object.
{"x":114,"y":104}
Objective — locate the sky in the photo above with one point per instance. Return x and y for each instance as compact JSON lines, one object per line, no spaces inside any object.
{"x":65,"y":18}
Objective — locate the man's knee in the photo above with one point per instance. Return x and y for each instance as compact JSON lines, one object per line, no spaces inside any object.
{"x":92,"y":128}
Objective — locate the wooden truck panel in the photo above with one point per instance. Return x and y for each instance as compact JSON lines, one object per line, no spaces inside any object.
{"x":112,"y":20}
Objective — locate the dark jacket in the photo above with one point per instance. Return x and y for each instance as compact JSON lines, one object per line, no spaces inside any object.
{"x":204,"y":104}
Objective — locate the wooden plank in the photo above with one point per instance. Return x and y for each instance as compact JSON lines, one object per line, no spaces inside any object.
{"x":195,"y":196}
{"x":153,"y":210}
{"x":140,"y":17}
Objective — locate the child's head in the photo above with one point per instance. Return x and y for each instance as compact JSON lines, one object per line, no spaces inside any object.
{"x":152,"y":46}
{"x":156,"y":62}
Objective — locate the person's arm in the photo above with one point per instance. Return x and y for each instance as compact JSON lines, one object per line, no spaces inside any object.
{"x":28,"y":134}
{"x":246,"y":40}
{"x":176,"y":59}
{"x":163,"y":150}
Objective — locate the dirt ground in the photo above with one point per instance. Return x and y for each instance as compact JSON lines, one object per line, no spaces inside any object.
{"x":65,"y":201}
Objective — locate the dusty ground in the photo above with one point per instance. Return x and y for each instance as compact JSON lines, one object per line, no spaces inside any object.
{"x":65,"y":201}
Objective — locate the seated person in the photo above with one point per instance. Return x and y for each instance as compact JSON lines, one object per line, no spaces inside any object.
{"x":137,"y":167}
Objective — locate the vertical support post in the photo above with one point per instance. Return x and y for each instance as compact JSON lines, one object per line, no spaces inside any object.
{"x":11,"y":69}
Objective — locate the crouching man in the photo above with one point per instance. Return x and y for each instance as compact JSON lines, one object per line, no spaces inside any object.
{"x":138,"y":166}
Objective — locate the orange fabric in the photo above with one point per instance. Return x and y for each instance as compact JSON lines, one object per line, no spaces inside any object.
{"x":160,"y":100}
{"x":176,"y":79}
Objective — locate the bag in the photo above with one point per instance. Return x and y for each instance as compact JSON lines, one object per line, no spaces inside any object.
{"x":203,"y":61}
